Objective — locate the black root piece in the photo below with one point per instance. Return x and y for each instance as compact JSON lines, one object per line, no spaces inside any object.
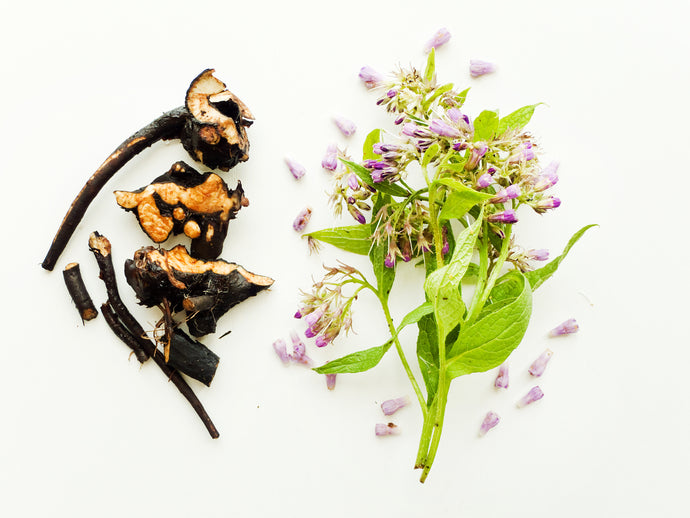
{"x":128,"y":338}
{"x":174,"y":275}
{"x":186,"y":201}
{"x":192,"y":358}
{"x":77,"y":290}
{"x":211,"y":127}
{"x":100,"y":246}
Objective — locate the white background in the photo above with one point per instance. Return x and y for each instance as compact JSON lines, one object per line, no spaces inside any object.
{"x":87,"y":432}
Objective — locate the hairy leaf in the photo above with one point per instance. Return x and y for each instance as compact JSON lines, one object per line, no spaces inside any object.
{"x":368,"y":148}
{"x":485,"y":125}
{"x":537,"y":277}
{"x":359,"y":361}
{"x":384,"y":275}
{"x":516,"y":120}
{"x":430,"y":66}
{"x":355,"y":238}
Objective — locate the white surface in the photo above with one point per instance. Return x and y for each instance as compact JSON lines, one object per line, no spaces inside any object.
{"x":85,"y":432}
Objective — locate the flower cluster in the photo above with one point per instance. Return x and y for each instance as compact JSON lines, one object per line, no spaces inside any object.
{"x":405,"y":229}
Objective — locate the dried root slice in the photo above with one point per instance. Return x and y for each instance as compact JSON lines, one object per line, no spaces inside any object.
{"x":186,"y":201}
{"x":157,"y":274}
{"x":192,"y":358}
{"x":77,"y":290}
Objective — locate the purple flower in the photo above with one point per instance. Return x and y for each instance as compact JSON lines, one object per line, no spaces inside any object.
{"x":502,"y":378}
{"x":507,"y":216}
{"x":444,"y":129}
{"x":382,"y":429}
{"x":391,"y":406}
{"x":370,"y":77}
{"x":299,"y":350}
{"x":484,"y":181}
{"x":280,"y":347}
{"x":439,"y":38}
{"x":302,"y":219}
{"x":539,"y":254}
{"x":490,"y":421}
{"x":479,"y":149}
{"x":524,"y":152}
{"x":330,"y":381}
{"x":322,"y":340}
{"x":411,"y":129}
{"x":391,"y":93}
{"x":389,"y":262}
{"x":313,"y":317}
{"x":295,"y":168}
{"x":509,"y":193}
{"x":381,"y":147}
{"x":479,"y":67}
{"x":534,"y":394}
{"x":330,"y":160}
{"x":353,"y":182}
{"x":548,"y":203}
{"x":568,"y":327}
{"x":537,"y":368}
{"x":356,"y":214}
{"x":455,"y":115}
{"x":547,"y":178}
{"x":346,"y":126}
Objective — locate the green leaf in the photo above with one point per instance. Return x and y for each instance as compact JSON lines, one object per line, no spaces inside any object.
{"x":427,"y":354}
{"x":368,"y":148}
{"x":355,"y":238}
{"x":460,"y":200}
{"x":430,"y":154}
{"x":516,"y":120}
{"x":416,"y":315}
{"x":384,"y":275}
{"x":461,"y":97}
{"x":442,"y":287}
{"x":489,"y":341}
{"x":537,"y":277}
{"x":359,"y":361}
{"x":364,"y":174}
{"x":485,"y":125}
{"x":430,"y":66}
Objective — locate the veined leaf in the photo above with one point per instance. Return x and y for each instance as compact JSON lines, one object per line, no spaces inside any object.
{"x":516,"y":120}
{"x":461,"y":97}
{"x":373,"y":137}
{"x":355,"y":238}
{"x":359,"y":361}
{"x":384,"y":275}
{"x":460,"y":200}
{"x":427,"y":354}
{"x":430,"y":154}
{"x":489,"y":341}
{"x":430,"y":66}
{"x":537,"y":277}
{"x":485,"y":125}
{"x":437,"y":93}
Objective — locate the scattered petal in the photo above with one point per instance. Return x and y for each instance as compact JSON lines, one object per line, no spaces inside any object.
{"x":330,"y":381}
{"x":280,"y":347}
{"x":534,"y":394}
{"x":490,"y":421}
{"x":370,"y":77}
{"x":479,"y":67}
{"x":537,"y":368}
{"x":502,"y":380}
{"x":568,"y":327}
{"x":540,"y":254}
{"x":391,"y":406}
{"x":382,"y":429}
{"x":330,"y":159}
{"x":346,"y":126}
{"x":295,"y":168}
{"x":440,"y":38}
{"x":302,"y":219}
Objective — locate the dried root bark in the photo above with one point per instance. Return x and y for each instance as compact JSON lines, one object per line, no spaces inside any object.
{"x":208,"y":288}
{"x":77,"y":290}
{"x":192,"y":358}
{"x":211,"y":127}
{"x":186,"y":201}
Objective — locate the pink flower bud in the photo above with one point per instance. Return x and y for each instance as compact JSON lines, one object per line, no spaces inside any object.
{"x":539,"y":365}
{"x":502,"y":378}
{"x":534,"y":394}
{"x":440,"y":37}
{"x":490,"y":421}
{"x":391,"y":406}
{"x":295,"y":168}
{"x":568,"y":327}
{"x":346,"y":126}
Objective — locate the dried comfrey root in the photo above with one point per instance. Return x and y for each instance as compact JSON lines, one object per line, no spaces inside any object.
{"x":205,"y":289}
{"x":211,"y":126}
{"x":77,"y":290}
{"x":186,"y":201}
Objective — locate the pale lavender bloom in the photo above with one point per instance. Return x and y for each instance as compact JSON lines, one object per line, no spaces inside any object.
{"x":381,"y":147}
{"x":322,"y":340}
{"x":537,"y":368}
{"x":391,"y":93}
{"x":507,"y":216}
{"x":302,"y":219}
{"x":391,"y":406}
{"x":490,"y":421}
{"x":547,"y":178}
{"x":299,"y":350}
{"x":443,"y":129}
{"x":484,"y":181}
{"x":509,"y":193}
{"x":353,"y":181}
{"x":548,"y":203}
{"x":313,"y":317}
{"x":330,"y":381}
{"x":534,"y":394}
{"x":440,"y":38}
{"x":330,"y":160}
{"x":568,"y":327}
{"x":295,"y":168}
{"x":383,"y":429}
{"x":479,"y":67}
{"x":538,"y":254}
{"x":280,"y":347}
{"x":502,"y":380}
{"x":411,"y":129}
{"x":370,"y":77}
{"x":479,"y":149}
{"x":346,"y":126}
{"x":455,"y":115}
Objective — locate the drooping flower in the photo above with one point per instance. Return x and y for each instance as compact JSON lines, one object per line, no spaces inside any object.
{"x":568,"y":327}
{"x":302,"y":219}
{"x":479,"y":149}
{"x":534,"y":394}
{"x":538,"y":254}
{"x":391,"y":406}
{"x":330,"y":159}
{"x":346,"y":126}
{"x":299,"y":350}
{"x":383,"y":429}
{"x":479,"y":67}
{"x":295,"y":168}
{"x":539,"y":366}
{"x":489,"y":422}
{"x":506,"y":216}
{"x":502,"y":380}
{"x":547,"y":203}
{"x":280,"y":347}
{"x":547,"y":178}
{"x":444,"y":129}
{"x":484,"y":181}
{"x":370,"y":77}
{"x":509,"y":193}
{"x":440,"y":37}
{"x":330,"y":381}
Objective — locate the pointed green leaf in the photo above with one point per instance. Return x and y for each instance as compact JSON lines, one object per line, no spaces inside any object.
{"x":537,"y":277}
{"x":461,"y":97}
{"x":355,"y":362}
{"x":485,"y":125}
{"x":460,"y":200}
{"x":384,"y":275}
{"x":438,"y":92}
{"x":430,"y":66}
{"x":490,"y":340}
{"x":368,"y":148}
{"x":415,"y":315}
{"x":355,"y":238}
{"x":427,"y":354}
{"x":430,"y":154}
{"x":516,"y":120}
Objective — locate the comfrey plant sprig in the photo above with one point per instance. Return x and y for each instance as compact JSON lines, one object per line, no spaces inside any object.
{"x":476,"y":176}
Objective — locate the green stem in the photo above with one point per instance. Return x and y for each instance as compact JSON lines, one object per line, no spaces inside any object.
{"x":442,"y":399}
{"x":483,"y":269}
